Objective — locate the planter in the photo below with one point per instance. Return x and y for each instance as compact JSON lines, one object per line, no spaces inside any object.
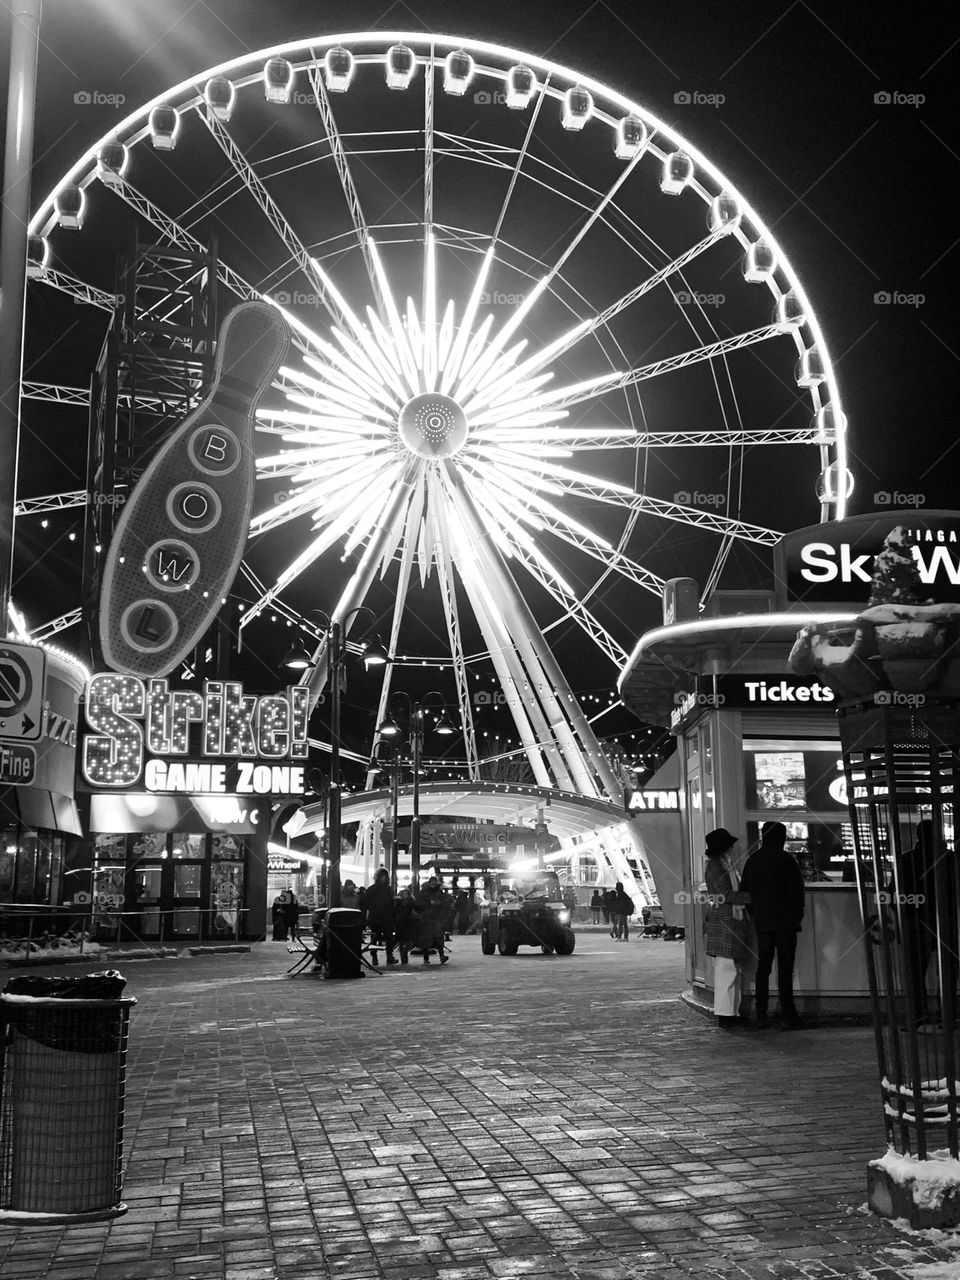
{"x":908,"y":648}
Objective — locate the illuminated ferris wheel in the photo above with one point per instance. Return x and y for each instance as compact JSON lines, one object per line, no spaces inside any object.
{"x":546,"y":356}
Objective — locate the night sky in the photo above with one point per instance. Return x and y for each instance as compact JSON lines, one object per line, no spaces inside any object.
{"x":837,"y":122}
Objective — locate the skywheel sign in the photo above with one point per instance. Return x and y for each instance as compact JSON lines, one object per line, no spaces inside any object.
{"x":832,"y":563}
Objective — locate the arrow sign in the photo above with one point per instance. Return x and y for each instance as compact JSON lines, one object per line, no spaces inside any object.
{"x":22,"y":670}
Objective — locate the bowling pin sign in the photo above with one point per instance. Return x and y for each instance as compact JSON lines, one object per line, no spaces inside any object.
{"x":179,"y":540}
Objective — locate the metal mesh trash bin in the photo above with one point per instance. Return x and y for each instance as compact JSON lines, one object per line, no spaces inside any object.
{"x":61,"y":1106}
{"x":344,"y":927}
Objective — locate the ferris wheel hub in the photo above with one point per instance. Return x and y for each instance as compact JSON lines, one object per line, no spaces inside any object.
{"x":432,"y":426}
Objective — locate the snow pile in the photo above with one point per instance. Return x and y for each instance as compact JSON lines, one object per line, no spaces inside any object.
{"x":43,"y":948}
{"x":930,"y":1180}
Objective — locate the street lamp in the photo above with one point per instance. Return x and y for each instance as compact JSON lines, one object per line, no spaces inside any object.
{"x":391,"y":730}
{"x":392,"y":770}
{"x":14,"y":219}
{"x":373,"y":654}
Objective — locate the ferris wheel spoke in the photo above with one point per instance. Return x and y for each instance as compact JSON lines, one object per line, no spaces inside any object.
{"x":560,"y":346}
{"x":354,"y":593}
{"x":607,"y":555}
{"x":574,"y":609}
{"x":337,"y":150}
{"x":428,"y":153}
{"x":548,"y":478}
{"x":583,"y":438}
{"x":271,"y":210}
{"x":720,"y":560}
{"x":521,"y":157}
{"x":556,"y":520}
{"x":563,"y":398}
{"x":358,"y":518}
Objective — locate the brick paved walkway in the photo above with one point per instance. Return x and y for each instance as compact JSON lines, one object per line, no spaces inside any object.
{"x":503,"y":1117}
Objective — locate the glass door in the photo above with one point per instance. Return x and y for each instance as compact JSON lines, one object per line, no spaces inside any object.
{"x":187,"y":866}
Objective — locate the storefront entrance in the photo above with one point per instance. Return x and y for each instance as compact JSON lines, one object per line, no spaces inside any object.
{"x":176,"y":886}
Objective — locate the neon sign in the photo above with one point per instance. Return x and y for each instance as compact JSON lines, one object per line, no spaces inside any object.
{"x":132,"y":719}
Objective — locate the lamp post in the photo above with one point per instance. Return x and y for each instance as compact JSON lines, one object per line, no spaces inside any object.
{"x":14,"y":220}
{"x":374,"y":655}
{"x":393,"y":771}
{"x":390,"y":729}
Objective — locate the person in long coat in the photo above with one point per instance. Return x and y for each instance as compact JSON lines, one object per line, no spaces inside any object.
{"x":293,"y":917}
{"x":431,"y":913}
{"x":774,"y":882}
{"x":380,"y":912}
{"x":726,"y":928}
{"x":405,"y":923}
{"x":279,"y":918}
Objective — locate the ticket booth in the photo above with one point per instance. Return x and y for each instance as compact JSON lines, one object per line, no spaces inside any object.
{"x":756,"y":743}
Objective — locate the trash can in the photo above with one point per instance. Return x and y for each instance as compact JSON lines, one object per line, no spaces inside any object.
{"x":344,"y":927}
{"x":61,"y":1097}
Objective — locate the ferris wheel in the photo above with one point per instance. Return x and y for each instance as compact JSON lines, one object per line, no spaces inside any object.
{"x":545,"y":354}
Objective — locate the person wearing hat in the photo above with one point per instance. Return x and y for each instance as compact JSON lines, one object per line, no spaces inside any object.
{"x":726,"y":928}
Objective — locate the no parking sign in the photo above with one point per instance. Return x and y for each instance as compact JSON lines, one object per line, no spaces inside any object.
{"x":22,"y":669}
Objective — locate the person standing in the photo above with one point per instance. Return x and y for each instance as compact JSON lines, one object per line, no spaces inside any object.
{"x":624,"y":909}
{"x":918,"y":914}
{"x":380,"y":913}
{"x":772,"y":879}
{"x":431,"y":912}
{"x":293,"y":917}
{"x":405,"y":923}
{"x":571,"y":901}
{"x":596,"y":906}
{"x":606,"y":906}
{"x":279,"y":918}
{"x":725,"y":923}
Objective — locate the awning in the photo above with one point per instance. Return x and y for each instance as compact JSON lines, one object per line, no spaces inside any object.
{"x":39,"y":809}
{"x":566,"y":814}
